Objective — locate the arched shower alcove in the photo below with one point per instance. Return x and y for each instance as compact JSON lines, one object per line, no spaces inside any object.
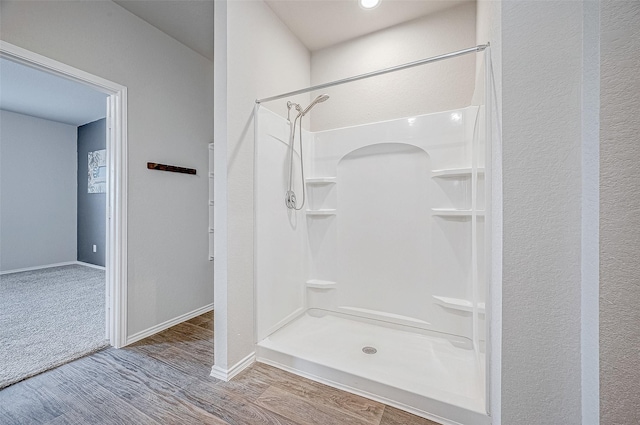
{"x":376,"y":285}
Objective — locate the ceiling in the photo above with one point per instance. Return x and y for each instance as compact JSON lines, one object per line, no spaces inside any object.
{"x":323,"y":23}
{"x":188,"y":21}
{"x":32,"y":92}
{"x":317,"y":23}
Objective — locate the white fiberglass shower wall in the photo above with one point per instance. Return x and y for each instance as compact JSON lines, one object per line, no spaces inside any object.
{"x":377,"y":285}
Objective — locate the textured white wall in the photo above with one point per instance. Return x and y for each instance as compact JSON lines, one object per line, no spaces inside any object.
{"x":430,"y":88}
{"x":620,"y":213}
{"x":541,"y":294}
{"x":170,"y":105}
{"x":37,"y":191}
{"x":263,"y":58}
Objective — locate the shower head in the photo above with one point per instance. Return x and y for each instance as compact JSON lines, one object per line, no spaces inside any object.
{"x":317,"y":100}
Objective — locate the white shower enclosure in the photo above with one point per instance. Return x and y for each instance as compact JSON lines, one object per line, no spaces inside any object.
{"x":378,"y":285}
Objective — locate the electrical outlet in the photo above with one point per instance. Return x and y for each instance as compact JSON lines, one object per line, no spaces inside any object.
{"x":95,"y":248}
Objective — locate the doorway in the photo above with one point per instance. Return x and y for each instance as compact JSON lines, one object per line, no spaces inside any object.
{"x":115,"y":167}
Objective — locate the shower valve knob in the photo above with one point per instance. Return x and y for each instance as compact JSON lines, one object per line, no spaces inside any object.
{"x":290,"y":200}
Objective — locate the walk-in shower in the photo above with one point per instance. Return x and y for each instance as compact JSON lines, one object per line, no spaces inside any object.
{"x":376,"y":281}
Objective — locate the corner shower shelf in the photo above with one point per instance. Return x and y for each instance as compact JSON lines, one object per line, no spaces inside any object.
{"x":458,"y":304}
{"x":321,"y":284}
{"x":454,"y":172}
{"x":450,"y":212}
{"x":320,"y":180}
{"x":322,"y":212}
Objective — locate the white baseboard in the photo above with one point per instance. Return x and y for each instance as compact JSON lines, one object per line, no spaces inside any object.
{"x":227,"y":375}
{"x":93,"y":266}
{"x":169,"y":323}
{"x":46,"y":266}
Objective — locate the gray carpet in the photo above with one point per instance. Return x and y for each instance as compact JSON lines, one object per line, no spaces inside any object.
{"x":49,"y":317}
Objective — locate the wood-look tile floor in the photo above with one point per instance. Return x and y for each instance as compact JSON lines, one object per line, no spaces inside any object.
{"x":164,"y":379}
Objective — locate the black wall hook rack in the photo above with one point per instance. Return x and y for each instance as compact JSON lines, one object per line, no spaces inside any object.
{"x":172,"y":168}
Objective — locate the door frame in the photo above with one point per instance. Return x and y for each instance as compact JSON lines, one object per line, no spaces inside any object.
{"x":116,"y":147}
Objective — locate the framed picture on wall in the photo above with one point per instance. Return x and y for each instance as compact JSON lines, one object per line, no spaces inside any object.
{"x":97,"y":172}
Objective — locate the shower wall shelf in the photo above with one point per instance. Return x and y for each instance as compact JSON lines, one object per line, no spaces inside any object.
{"x":449,"y":212}
{"x":322,"y":212}
{"x":455,"y":172}
{"x":321,"y":284}
{"x":320,"y":180}
{"x":458,"y":304}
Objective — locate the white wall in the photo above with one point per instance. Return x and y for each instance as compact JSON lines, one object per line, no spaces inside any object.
{"x":170,"y":105}
{"x":542,"y":73}
{"x":435,"y":87}
{"x":38,"y":180}
{"x":619,"y":208}
{"x":263,"y":58}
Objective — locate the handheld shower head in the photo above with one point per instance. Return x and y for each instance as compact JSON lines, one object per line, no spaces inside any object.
{"x":290,"y":196}
{"x":317,"y":100}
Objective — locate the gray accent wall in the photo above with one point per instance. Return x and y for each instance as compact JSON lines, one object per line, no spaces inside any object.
{"x":91,"y":206}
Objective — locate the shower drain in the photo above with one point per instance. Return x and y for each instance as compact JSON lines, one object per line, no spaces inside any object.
{"x":369,"y":350}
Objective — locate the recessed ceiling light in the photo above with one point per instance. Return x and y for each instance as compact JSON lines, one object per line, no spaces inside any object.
{"x":369,"y":4}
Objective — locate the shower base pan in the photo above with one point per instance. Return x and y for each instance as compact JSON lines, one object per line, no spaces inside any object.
{"x":433,"y":377}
